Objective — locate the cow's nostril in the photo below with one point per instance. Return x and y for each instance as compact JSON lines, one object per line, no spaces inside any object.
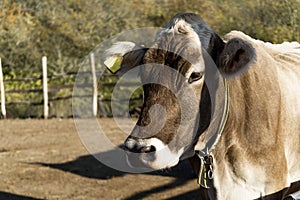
{"x":137,"y":146}
{"x":137,"y":149}
{"x":148,"y":149}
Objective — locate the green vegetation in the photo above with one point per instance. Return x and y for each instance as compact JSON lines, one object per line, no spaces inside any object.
{"x":66,"y":31}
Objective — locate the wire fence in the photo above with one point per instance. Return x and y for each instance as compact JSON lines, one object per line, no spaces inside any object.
{"x":54,"y":98}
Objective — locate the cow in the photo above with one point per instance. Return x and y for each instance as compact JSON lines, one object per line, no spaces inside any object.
{"x":239,"y":124}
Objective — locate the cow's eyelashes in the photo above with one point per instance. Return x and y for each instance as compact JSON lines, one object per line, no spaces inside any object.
{"x":195,"y":76}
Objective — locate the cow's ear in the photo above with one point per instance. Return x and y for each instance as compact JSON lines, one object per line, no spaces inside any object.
{"x":236,"y":57}
{"x":123,"y":56}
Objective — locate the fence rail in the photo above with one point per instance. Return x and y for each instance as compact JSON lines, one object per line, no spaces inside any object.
{"x":23,"y":79}
{"x":47,"y":89}
{"x":52,"y":91}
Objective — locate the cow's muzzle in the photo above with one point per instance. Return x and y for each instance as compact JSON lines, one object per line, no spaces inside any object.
{"x":140,"y":153}
{"x":150,"y":153}
{"x":136,"y":145}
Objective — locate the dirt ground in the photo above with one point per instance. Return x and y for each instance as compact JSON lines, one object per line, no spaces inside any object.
{"x":45,"y":159}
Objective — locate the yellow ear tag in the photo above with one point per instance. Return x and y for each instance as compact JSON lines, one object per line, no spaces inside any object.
{"x":113,"y":63}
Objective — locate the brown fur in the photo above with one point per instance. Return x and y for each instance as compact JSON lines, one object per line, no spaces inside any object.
{"x":259,"y":149}
{"x":262,"y":132}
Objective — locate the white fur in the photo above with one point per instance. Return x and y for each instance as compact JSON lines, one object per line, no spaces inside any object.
{"x":165,"y":158}
{"x":120,"y":49}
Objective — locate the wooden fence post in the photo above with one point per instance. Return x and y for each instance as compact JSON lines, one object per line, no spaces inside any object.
{"x":45,"y":87}
{"x":95,"y":86}
{"x":3,"y":110}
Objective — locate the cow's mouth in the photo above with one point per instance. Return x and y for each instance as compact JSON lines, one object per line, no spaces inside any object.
{"x":158,"y":156}
{"x":151,"y":161}
{"x":141,"y":160}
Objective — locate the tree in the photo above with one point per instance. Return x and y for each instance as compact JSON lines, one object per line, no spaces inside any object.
{"x":66,"y":31}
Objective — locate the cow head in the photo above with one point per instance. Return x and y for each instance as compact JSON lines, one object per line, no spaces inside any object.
{"x":177,"y":104}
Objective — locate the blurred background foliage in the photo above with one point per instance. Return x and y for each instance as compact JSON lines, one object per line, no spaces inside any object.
{"x":66,"y":31}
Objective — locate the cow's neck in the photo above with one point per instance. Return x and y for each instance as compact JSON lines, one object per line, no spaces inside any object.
{"x":217,"y":105}
{"x":218,"y":112}
{"x":250,"y":130}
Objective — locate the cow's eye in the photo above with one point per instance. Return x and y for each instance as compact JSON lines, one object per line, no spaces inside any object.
{"x":195,"y":76}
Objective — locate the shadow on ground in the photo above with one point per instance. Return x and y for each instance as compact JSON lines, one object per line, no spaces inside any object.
{"x":88,"y":166}
{"x":194,"y":194}
{"x":10,"y":196}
